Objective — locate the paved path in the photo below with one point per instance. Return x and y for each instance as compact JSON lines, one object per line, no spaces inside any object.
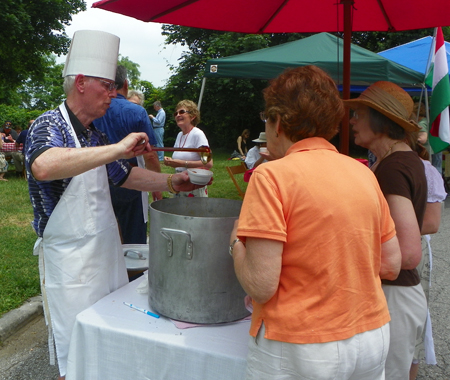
{"x":440,"y":301}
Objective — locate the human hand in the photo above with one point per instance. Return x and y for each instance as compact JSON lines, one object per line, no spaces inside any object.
{"x":157,"y":195}
{"x":168,"y":161}
{"x":133,"y":145}
{"x":181,"y":182}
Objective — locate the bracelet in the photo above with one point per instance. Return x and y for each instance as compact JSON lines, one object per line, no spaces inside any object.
{"x":185,"y":164}
{"x":231,"y":247}
{"x":170,"y":185}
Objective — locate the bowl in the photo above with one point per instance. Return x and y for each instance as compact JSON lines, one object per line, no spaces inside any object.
{"x":199,"y":176}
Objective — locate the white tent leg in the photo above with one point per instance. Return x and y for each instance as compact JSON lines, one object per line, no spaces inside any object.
{"x":201,"y":93}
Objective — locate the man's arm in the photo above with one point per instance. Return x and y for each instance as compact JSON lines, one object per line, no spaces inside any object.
{"x":159,"y":119}
{"x":146,"y":180}
{"x":57,"y":163}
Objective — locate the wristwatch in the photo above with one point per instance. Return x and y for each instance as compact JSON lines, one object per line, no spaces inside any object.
{"x":230,"y":249}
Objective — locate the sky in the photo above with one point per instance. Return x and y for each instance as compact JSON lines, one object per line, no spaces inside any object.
{"x":140,"y":41}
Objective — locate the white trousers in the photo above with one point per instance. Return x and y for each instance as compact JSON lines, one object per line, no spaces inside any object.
{"x":408,"y":309}
{"x":361,"y":357}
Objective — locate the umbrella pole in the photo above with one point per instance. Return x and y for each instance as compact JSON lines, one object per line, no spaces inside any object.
{"x":345,"y":135}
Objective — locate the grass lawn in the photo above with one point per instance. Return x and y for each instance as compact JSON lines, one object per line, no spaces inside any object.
{"x":19,"y":275}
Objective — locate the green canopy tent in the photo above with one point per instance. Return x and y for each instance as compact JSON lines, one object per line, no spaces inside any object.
{"x":323,"y":50}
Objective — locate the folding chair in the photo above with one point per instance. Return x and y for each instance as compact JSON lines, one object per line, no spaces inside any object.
{"x":238,"y":169}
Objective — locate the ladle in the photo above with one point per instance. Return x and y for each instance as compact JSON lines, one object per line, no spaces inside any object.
{"x":205,"y":152}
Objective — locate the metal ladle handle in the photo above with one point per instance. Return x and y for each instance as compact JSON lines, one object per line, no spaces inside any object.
{"x":205,"y":152}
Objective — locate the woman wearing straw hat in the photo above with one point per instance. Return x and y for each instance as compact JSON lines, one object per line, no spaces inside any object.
{"x":381,"y":123}
{"x":313,"y":238}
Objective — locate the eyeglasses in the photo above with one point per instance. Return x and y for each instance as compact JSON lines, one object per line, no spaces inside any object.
{"x":263,"y":117}
{"x":355,"y":115}
{"x":110,"y":86}
{"x":181,"y":112}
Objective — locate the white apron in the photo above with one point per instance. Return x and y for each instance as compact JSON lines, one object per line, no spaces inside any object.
{"x":81,"y":256}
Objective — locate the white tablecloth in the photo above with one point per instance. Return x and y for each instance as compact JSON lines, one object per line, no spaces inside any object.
{"x":112,"y":341}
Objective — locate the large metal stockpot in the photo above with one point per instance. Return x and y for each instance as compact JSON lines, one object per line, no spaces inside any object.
{"x":191,"y":275}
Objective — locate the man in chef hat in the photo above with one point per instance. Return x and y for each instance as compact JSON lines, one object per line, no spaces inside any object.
{"x":68,"y":166}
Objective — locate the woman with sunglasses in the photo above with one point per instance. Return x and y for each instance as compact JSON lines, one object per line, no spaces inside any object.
{"x":187,"y":116}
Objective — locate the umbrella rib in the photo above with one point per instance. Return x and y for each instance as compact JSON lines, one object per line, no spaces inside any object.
{"x":274,"y":14}
{"x":386,"y":17}
{"x":170,"y":10}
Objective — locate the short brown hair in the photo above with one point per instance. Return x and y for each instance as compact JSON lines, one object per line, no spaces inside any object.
{"x":307,"y":101}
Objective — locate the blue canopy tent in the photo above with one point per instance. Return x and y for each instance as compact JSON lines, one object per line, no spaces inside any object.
{"x":415,"y":54}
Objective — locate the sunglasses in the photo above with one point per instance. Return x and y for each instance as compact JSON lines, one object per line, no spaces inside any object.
{"x":180,"y":112}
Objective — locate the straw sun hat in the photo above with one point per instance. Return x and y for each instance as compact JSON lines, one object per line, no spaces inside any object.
{"x":390,"y":100}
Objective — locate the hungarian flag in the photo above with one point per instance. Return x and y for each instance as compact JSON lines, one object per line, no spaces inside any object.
{"x":439,"y":135}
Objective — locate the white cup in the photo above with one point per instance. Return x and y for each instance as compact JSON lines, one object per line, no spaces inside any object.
{"x":263,"y":149}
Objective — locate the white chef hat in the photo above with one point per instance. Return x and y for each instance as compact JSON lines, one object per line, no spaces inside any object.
{"x":93,"y":53}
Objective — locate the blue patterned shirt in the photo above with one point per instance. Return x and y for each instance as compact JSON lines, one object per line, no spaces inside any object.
{"x":50,"y":130}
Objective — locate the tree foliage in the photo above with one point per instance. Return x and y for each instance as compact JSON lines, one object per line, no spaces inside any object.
{"x":133,"y":73}
{"x":230,"y":105}
{"x":30,"y":31}
{"x":44,"y":93}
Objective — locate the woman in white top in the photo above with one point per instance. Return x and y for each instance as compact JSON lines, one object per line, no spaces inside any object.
{"x":435,"y":196}
{"x":187,"y":116}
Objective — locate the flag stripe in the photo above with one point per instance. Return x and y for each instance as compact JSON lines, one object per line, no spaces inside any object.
{"x":441,"y":97}
{"x":439,"y":134}
{"x":441,"y":69}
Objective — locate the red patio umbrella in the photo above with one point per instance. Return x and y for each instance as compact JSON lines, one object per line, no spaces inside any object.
{"x":291,"y":16}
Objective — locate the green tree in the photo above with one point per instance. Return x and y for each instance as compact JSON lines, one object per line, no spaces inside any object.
{"x":379,"y":41}
{"x":133,"y":72}
{"x":30,"y":30}
{"x":231,"y":105}
{"x":44,"y":93}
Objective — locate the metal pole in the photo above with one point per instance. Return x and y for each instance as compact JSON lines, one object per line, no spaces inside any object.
{"x":201,"y":93}
{"x":345,"y":134}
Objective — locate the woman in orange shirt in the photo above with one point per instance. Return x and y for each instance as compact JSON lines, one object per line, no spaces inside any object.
{"x":313,"y":238}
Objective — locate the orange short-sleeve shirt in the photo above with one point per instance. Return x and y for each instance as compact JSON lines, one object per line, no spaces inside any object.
{"x":329,"y":212}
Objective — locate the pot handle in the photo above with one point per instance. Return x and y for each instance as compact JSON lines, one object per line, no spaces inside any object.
{"x":189,"y":244}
